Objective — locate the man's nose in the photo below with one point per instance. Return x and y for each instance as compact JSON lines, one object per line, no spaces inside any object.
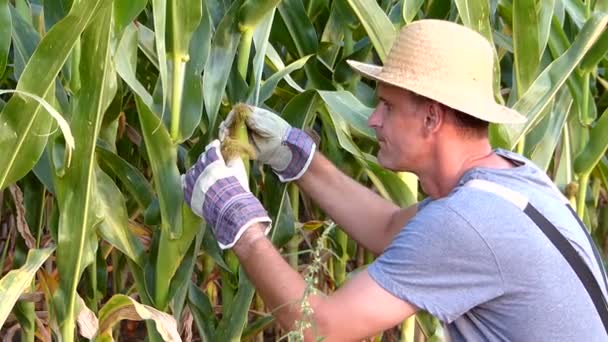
{"x":375,"y":120}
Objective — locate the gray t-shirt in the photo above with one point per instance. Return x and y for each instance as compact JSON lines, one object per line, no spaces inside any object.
{"x":479,"y":264}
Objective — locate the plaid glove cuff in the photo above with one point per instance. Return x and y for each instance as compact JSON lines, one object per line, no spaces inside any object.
{"x":302,"y":150}
{"x":219,"y":193}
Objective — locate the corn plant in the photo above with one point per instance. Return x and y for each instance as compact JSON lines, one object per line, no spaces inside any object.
{"x":105,"y":103}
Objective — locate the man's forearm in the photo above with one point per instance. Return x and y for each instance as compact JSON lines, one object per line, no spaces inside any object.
{"x":279,"y":285}
{"x":363,"y":214}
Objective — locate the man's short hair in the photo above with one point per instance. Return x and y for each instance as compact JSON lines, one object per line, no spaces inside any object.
{"x":470,"y":125}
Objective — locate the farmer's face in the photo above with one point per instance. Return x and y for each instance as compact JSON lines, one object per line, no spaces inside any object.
{"x":399,"y":124}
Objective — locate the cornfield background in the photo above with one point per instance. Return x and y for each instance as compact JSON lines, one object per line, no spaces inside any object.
{"x":103,"y":104}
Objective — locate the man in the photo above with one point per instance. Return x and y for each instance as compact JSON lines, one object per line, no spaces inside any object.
{"x":468,"y":255}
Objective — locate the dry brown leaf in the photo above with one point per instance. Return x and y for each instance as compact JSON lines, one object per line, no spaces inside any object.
{"x":22,"y":226}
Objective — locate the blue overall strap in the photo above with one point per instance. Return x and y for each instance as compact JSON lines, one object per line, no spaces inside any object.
{"x":573,"y":258}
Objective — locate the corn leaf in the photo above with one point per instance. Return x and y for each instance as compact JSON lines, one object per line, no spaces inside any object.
{"x":410,"y":9}
{"x":115,"y":226}
{"x":159,"y":9}
{"x":542,"y":140}
{"x":271,"y":83}
{"x":183,"y":276}
{"x":595,"y":54}
{"x":233,"y":323}
{"x":301,"y":33}
{"x":179,"y":225}
{"x":76,"y":189}
{"x":121,"y":307}
{"x":299,"y":26}
{"x":183,"y":18}
{"x":202,"y":311}
{"x":377,"y":25}
{"x":125,"y":12}
{"x":192,"y":99}
{"x":218,"y":66}
{"x":63,"y":125}
{"x":54,"y":11}
{"x":275,"y":61}
{"x":24,"y":136}
{"x":131,"y":178}
{"x":16,"y":281}
{"x":540,"y":93}
{"x":5,"y":33}
{"x":526,"y":43}
{"x":125,"y":61}
{"x":346,"y":105}
{"x":576,"y":11}
{"x":558,"y":44}
{"x":25,"y":41}
{"x":595,"y":149}
{"x":252,"y":12}
{"x":261,"y":41}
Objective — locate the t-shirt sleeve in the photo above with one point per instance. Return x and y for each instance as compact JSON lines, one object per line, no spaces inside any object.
{"x":439,"y":263}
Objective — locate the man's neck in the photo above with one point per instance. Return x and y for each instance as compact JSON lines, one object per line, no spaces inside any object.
{"x":451,"y":161}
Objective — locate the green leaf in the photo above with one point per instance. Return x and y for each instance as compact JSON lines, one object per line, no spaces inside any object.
{"x":543,"y":139}
{"x":125,"y":12}
{"x":163,"y":161}
{"x":126,"y":63}
{"x":346,"y":105}
{"x":377,"y":25}
{"x":596,"y":53}
{"x":271,"y":83}
{"x":475,"y":14}
{"x":24,"y":136}
{"x":233,"y":323}
{"x":410,"y":9}
{"x":5,"y":33}
{"x":252,"y":12}
{"x":279,"y":206}
{"x":159,"y":9}
{"x":544,"y":88}
{"x":132,"y":179}
{"x":115,"y":226}
{"x":16,"y":281}
{"x":183,"y":276}
{"x":76,"y":195}
{"x":121,"y":307}
{"x":391,"y":184}
{"x":261,"y":41}
{"x":192,"y":99}
{"x":526,"y":43}
{"x":217,"y":69}
{"x":202,"y":311}
{"x":63,"y":125}
{"x":55,"y":11}
{"x":595,"y":149}
{"x":183,"y":17}
{"x":25,"y":41}
{"x":299,"y":26}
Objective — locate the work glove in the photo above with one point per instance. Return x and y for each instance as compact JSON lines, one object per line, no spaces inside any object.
{"x":287,"y":150}
{"x":219,"y":192}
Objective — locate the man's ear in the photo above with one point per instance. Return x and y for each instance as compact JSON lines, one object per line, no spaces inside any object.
{"x":434,"y":116}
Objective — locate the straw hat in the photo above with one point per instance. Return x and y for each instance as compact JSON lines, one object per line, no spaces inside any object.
{"x":446,"y":62}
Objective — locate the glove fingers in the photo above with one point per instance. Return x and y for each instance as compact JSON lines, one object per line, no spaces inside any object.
{"x":265,"y":123}
{"x":224,"y":129}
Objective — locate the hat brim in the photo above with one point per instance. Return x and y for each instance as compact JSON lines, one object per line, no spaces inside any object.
{"x":489,"y":111}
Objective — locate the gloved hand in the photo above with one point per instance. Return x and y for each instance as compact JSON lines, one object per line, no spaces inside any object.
{"x":287,"y":150}
{"x":219,"y":193}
